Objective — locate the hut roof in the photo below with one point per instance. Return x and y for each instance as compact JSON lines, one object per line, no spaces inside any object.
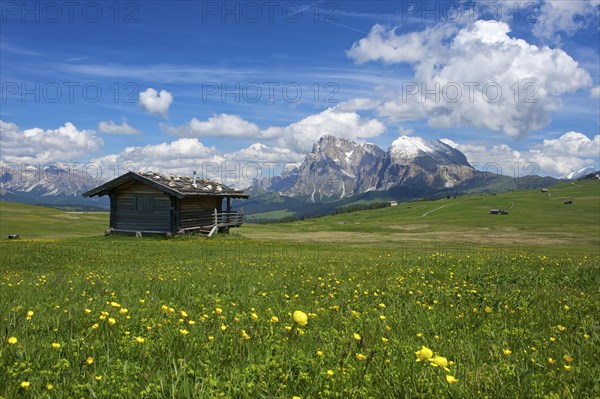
{"x":177,"y":186}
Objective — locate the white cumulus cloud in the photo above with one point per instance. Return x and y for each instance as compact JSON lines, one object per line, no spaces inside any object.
{"x":565,"y":16}
{"x":63,"y":144}
{"x":156,"y":103}
{"x":111,"y":127}
{"x":477,"y":76}
{"x":222,"y":125}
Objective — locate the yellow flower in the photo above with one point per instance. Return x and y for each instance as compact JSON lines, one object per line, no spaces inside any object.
{"x":356,"y":336}
{"x":568,"y":368}
{"x":450,"y":379}
{"x":191,"y":322}
{"x":488,"y":309}
{"x":320,"y":353}
{"x":384,"y":340}
{"x":568,"y":358}
{"x":49,"y":387}
{"x":25,"y":384}
{"x":184,"y":332}
{"x":439,"y":361}
{"x":561,"y":328}
{"x":95,"y":326}
{"x":123,"y":311}
{"x":115,"y":305}
{"x":55,"y":345}
{"x":330,"y":373}
{"x":223,"y":327}
{"x":29,"y":314}
{"x":210,"y":337}
{"x":360,"y":356}
{"x":89,"y":360}
{"x":507,"y":352}
{"x":12,"y":340}
{"x":140,"y":339}
{"x":218,"y":310}
{"x":87,"y":311}
{"x":551,"y":361}
{"x":382,"y":317}
{"x":296,"y":397}
{"x":382,"y":305}
{"x":98,"y":377}
{"x":424,"y":354}
{"x":183,"y":313}
{"x":164,"y":308}
{"x":245,"y":335}
{"x":300,"y":317}
{"x":111,"y":321}
{"x":274,"y":319}
{"x":254,"y":316}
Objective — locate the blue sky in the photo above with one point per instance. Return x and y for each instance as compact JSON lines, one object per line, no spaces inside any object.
{"x":174,"y":85}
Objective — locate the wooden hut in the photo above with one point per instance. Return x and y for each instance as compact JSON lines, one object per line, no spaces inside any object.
{"x":148,"y":202}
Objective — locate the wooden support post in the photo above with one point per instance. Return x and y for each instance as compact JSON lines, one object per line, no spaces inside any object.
{"x":216,"y":218}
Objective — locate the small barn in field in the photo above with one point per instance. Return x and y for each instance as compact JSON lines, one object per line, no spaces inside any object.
{"x":151,"y":203}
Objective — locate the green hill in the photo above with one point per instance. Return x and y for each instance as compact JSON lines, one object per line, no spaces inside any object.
{"x":534,"y":218}
{"x":30,"y":221}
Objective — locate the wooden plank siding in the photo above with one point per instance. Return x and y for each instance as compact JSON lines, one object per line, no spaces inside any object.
{"x":139,"y":207}
{"x":198,"y":211}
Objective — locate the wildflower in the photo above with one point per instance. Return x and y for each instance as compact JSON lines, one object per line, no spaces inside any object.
{"x":300,"y":317}
{"x":49,"y":387}
{"x":111,"y":321}
{"x":87,"y":311}
{"x":223,"y":327}
{"x":320,"y":353}
{"x":330,"y":373}
{"x":191,"y":322}
{"x":245,"y":335}
{"x":29,"y":314}
{"x":551,"y":361}
{"x":210,"y":337}
{"x":115,"y":305}
{"x":98,"y":377}
{"x":25,"y":384}
{"x":450,"y":379}
{"x":488,"y":309}
{"x":360,"y":356}
{"x":274,"y":319}
{"x":586,"y":336}
{"x":419,"y":335}
{"x":424,"y":354}
{"x":381,"y":317}
{"x":164,"y":308}
{"x":552,"y":339}
{"x":356,"y":336}
{"x":568,"y":358}
{"x":382,"y":305}
{"x":507,"y":352}
{"x":89,"y":360}
{"x":184,"y":332}
{"x":218,"y":310}
{"x":439,"y":361}
{"x":12,"y":340}
{"x":140,"y":340}
{"x":254,"y":316}
{"x":123,"y":311}
{"x":561,"y":328}
{"x":95,"y":326}
{"x":55,"y":345}
{"x":568,"y":368}
{"x":384,"y":340}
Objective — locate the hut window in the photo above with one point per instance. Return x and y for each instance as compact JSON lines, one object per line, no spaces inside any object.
{"x":144,"y":203}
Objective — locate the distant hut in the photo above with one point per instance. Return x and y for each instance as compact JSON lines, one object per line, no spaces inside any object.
{"x":494,"y":211}
{"x":544,"y":190}
{"x":392,"y":203}
{"x":147,"y":202}
{"x":569,"y":202}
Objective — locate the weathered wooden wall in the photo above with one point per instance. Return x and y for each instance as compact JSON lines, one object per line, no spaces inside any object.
{"x":197,"y":211}
{"x":126,"y":216}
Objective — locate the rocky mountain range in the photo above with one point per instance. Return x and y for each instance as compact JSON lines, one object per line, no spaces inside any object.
{"x":339,"y":168}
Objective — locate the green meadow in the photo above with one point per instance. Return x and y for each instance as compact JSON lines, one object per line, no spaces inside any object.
{"x":426,"y":299}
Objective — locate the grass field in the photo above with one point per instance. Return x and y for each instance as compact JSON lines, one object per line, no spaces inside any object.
{"x":120,"y":317}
